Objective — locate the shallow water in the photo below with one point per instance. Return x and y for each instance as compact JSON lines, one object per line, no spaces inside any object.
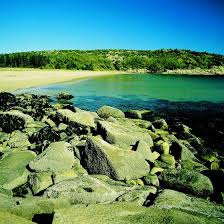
{"x":142,"y":91}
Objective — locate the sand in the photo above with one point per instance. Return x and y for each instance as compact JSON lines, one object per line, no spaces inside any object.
{"x":13,"y":79}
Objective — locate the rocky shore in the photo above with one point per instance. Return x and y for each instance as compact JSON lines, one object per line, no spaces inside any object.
{"x":60,"y":164}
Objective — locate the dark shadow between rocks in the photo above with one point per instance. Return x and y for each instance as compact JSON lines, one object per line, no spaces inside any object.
{"x":43,"y":218}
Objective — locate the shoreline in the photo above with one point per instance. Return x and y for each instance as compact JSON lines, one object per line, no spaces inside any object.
{"x":14,"y":79}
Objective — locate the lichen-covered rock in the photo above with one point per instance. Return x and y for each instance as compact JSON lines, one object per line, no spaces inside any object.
{"x":83,"y":119}
{"x":6,"y":217}
{"x":160,"y":124}
{"x":168,"y":159}
{"x":18,"y":140}
{"x":40,"y":181}
{"x":129,"y":213}
{"x":118,"y":163}
{"x":187,"y":181}
{"x":14,"y":120}
{"x":139,"y":114}
{"x":107,"y":111}
{"x":13,"y":172}
{"x":57,"y":157}
{"x":169,"y":199}
{"x":123,"y":135}
{"x":151,"y":179}
{"x":143,"y":148}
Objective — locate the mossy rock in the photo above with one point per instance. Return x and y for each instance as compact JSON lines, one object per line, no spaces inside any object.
{"x":187,"y":181}
{"x":13,"y":172}
{"x":118,"y":163}
{"x":57,"y":157}
{"x":129,"y":213}
{"x":123,"y":135}
{"x":107,"y":111}
{"x":198,"y":206}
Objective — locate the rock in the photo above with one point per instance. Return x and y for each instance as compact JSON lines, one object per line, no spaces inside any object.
{"x":82,"y":119}
{"x":64,"y":96}
{"x":7,"y":100}
{"x":45,"y":133}
{"x":170,"y":199}
{"x":138,"y":196}
{"x":151,"y":179}
{"x":160,"y":124}
{"x":154,"y":156}
{"x":86,"y":190}
{"x":62,"y":127}
{"x":40,"y":181}
{"x":156,"y":169}
{"x":168,"y":159}
{"x":18,"y":140}
{"x":28,"y":207}
{"x":144,"y":149}
{"x":165,"y":148}
{"x":5,"y":217}
{"x":123,"y":135}
{"x":117,"y":163}
{"x":107,"y":111}
{"x":138,"y":114}
{"x":14,"y":120}
{"x":140,"y":123}
{"x":13,"y":171}
{"x":57,"y":157}
{"x":187,"y":181}
{"x":129,"y":213}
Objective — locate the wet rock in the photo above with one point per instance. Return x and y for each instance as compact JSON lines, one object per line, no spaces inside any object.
{"x":64,"y":96}
{"x":117,"y":163}
{"x":7,"y":100}
{"x":170,"y":199}
{"x":43,"y":134}
{"x":57,"y":157}
{"x":13,"y":172}
{"x":187,"y":181}
{"x":123,"y":135}
{"x":14,"y":120}
{"x":107,"y":111}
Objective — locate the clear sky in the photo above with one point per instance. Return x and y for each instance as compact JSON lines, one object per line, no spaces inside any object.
{"x":121,"y":24}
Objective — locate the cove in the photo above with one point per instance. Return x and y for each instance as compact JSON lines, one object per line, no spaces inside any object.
{"x":141,"y":91}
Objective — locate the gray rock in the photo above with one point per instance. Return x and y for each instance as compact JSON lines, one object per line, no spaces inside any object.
{"x":187,"y":181}
{"x":123,"y":135}
{"x":169,"y":199}
{"x":107,"y":111}
{"x":118,"y":163}
{"x":58,"y":156}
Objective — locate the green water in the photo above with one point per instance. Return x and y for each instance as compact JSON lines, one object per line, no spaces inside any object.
{"x":140,"y":91}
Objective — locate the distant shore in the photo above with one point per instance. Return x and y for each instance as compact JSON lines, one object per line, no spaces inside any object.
{"x":12,"y":79}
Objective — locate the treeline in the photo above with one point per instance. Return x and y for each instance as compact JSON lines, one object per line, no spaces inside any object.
{"x":151,"y":61}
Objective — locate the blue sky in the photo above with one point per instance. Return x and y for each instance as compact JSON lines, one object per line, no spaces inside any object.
{"x":121,"y":24}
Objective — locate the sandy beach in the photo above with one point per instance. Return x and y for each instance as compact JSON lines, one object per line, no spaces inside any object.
{"x":13,"y":79}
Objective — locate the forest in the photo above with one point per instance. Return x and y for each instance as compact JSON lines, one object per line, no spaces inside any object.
{"x":123,"y":60}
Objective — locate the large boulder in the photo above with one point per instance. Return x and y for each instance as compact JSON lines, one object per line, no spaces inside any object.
{"x":123,"y":135}
{"x":91,"y":189}
{"x":118,"y":163}
{"x":13,"y":172}
{"x":169,"y":199}
{"x":81,"y":119}
{"x":5,"y":217}
{"x":107,"y":111}
{"x":14,"y":120}
{"x":57,"y":157}
{"x":129,"y":213}
{"x":187,"y":181}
